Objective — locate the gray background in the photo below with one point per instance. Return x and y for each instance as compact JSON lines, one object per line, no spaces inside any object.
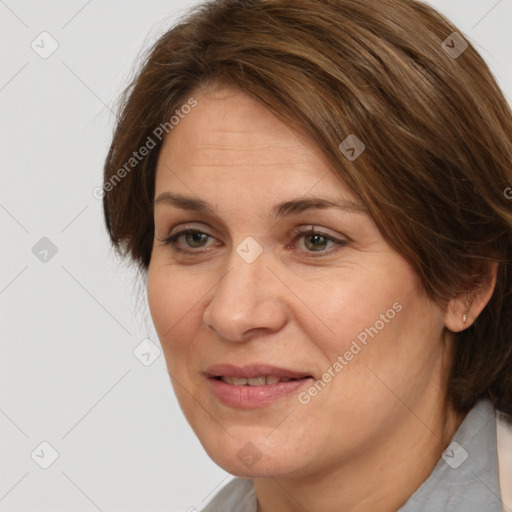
{"x":70,"y":321}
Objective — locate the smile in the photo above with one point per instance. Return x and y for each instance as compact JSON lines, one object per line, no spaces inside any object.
{"x":254,"y":386}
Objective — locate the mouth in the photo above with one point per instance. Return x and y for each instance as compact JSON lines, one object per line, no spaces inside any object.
{"x":263,"y":380}
{"x":254,"y":385}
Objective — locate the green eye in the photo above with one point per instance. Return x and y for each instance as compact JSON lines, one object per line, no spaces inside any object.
{"x":194,"y":239}
{"x":316,"y":241}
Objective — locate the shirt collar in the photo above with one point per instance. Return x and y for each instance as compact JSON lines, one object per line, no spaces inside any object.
{"x":466,"y":476}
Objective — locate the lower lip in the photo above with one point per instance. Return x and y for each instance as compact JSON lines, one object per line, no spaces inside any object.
{"x":254,"y":396}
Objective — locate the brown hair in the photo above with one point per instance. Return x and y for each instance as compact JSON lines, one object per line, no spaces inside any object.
{"x":437,"y":131}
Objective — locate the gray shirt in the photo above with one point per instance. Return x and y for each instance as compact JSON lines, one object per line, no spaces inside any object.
{"x":465,"y":478}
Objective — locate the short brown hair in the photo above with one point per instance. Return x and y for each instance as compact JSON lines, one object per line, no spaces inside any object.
{"x":437,"y":131}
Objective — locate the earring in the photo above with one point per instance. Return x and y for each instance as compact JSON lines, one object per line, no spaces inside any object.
{"x":465,"y":315}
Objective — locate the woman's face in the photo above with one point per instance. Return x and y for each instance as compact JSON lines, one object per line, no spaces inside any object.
{"x":250,"y":287}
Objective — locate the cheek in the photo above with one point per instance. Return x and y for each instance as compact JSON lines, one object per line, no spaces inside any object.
{"x":352,"y":309}
{"x":159,"y":299}
{"x":174,"y":305}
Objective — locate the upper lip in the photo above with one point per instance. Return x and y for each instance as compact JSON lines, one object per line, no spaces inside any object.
{"x":253,"y":370}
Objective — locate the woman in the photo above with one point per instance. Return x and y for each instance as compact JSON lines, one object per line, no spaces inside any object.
{"x":315,"y":192}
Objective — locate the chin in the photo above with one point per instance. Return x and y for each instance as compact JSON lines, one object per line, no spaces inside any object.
{"x":255,"y":457}
{"x":261,"y":469}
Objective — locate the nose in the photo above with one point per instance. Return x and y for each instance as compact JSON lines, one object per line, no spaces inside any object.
{"x":246,"y":302}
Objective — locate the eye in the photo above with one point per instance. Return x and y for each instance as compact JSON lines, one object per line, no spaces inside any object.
{"x":316,"y":241}
{"x":194,"y":239}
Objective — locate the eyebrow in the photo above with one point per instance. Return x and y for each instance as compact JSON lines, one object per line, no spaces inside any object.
{"x":294,"y":206}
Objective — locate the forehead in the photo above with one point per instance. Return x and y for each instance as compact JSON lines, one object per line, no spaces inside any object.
{"x":231,"y":140}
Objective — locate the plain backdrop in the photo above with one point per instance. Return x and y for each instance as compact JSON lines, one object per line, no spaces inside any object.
{"x":85,"y":424}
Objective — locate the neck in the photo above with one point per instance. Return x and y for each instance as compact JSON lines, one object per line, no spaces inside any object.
{"x":382,"y":477}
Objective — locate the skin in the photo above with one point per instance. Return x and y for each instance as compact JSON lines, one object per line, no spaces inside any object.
{"x":376,"y":431}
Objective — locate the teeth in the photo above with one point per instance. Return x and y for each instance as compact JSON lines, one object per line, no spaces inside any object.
{"x":272,"y":379}
{"x":255,"y":381}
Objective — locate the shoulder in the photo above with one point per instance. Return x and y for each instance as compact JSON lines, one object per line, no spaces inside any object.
{"x":237,"y":496}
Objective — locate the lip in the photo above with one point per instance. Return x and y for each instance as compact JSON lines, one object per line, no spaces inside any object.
{"x":250,"y":397}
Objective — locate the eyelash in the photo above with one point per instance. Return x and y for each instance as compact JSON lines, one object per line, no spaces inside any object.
{"x":298,"y":232}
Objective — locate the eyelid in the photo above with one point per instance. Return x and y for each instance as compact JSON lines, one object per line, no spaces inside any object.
{"x":313,"y":229}
{"x":171,"y":239}
{"x":191,"y":226}
{"x":301,"y":229}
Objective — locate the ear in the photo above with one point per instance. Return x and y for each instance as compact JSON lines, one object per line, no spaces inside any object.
{"x":464,"y":309}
